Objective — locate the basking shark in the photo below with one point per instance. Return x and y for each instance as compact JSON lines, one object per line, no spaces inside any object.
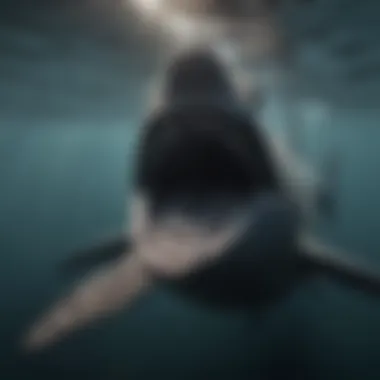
{"x":215,"y":214}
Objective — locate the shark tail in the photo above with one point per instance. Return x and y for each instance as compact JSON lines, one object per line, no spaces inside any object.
{"x":339,"y":265}
{"x":104,"y":293}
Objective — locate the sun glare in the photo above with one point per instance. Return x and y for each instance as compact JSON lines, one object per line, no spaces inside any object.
{"x":149,"y":6}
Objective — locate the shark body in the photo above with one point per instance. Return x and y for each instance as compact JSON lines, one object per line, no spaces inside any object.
{"x":213,"y":214}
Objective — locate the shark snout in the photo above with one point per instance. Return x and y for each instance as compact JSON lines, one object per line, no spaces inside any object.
{"x":198,"y":76}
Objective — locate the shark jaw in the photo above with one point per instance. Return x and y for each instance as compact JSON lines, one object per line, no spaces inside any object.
{"x":200,"y":155}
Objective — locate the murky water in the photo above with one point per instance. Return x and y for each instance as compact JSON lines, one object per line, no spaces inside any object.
{"x":65,"y":164}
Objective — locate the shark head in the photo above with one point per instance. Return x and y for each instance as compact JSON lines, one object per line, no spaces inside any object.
{"x":201,"y":148}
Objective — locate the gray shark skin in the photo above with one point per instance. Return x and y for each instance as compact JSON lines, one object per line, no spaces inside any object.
{"x":211,"y":216}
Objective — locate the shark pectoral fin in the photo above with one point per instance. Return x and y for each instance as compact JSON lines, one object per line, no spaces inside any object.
{"x":105,"y":251}
{"x":339,"y":265}
{"x":102,"y":294}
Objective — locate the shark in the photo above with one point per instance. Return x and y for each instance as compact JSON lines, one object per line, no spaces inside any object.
{"x":216,"y":214}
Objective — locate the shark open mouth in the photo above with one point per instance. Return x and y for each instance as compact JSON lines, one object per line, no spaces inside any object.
{"x":205,"y":153}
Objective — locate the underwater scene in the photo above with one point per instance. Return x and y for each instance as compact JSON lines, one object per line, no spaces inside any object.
{"x":160,"y":162}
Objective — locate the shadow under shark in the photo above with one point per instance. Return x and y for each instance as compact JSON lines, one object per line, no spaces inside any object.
{"x":211,"y":215}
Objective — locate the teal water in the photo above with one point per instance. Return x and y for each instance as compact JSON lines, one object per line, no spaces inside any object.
{"x":69,"y":86}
